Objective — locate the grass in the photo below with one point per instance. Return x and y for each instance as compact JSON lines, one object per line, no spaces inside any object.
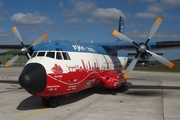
{"x":160,"y":67}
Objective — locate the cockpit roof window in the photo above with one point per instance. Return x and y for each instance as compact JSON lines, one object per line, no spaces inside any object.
{"x":50,"y":54}
{"x":58,"y":56}
{"x":41,"y":54}
{"x":66,"y":56}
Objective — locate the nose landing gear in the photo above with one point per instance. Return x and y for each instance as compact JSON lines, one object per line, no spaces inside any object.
{"x":125,"y":87}
{"x":51,"y":102}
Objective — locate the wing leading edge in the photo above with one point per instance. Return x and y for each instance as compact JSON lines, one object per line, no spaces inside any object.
{"x":162,"y":45}
{"x":12,"y":47}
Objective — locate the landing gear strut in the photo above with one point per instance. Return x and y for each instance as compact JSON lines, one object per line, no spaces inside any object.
{"x":50,"y":102}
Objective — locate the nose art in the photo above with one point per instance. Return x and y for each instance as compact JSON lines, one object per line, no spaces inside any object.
{"x":33,"y":78}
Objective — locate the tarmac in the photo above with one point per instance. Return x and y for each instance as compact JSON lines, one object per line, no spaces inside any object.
{"x":152,"y":96}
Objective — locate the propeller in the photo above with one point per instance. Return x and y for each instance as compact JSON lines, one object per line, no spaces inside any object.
{"x":24,"y":50}
{"x":142,"y":48}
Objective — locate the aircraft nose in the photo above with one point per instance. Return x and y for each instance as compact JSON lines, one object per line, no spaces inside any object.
{"x":33,"y":78}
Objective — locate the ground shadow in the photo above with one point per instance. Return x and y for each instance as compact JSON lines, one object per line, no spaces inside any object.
{"x":33,"y":102}
{"x":155,"y":87}
{"x":136,"y":78}
{"x":29,"y":103}
{"x":140,"y":90}
{"x":150,"y":90}
{"x":144,"y":93}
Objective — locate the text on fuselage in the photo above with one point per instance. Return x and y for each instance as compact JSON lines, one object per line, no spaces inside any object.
{"x":82,"y":48}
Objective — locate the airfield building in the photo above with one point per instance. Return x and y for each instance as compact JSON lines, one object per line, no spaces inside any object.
{"x":5,"y":56}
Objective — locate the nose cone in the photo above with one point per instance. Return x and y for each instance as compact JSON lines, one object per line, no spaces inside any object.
{"x":33,"y":78}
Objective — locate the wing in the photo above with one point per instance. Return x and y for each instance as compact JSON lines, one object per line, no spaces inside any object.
{"x":161,"y":45}
{"x":166,"y":45}
{"x":114,"y":46}
{"x":12,"y":47}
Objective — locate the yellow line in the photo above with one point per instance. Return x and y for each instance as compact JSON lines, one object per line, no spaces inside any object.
{"x":31,"y":114}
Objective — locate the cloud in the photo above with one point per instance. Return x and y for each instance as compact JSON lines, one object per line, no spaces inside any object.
{"x":1,"y":4}
{"x":161,"y":6}
{"x":80,"y":7}
{"x":61,"y":5}
{"x":72,"y":20}
{"x":177,"y":17}
{"x":2,"y":19}
{"x":167,"y":35}
{"x":170,"y":3}
{"x":136,"y":34}
{"x":157,"y":7}
{"x":167,"y":16}
{"x":107,"y":16}
{"x":5,"y":37}
{"x":30,"y":19}
{"x":161,"y":35}
{"x":145,"y":15}
{"x":135,"y":1}
{"x":149,"y":1}
{"x":91,"y":13}
{"x":3,"y":33}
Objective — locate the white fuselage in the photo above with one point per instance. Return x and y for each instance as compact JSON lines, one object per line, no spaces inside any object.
{"x":104,"y":62}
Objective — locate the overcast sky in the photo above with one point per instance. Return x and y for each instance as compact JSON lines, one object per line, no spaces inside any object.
{"x":87,"y":20}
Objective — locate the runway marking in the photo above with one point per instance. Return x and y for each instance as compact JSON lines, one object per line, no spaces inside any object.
{"x":31,"y":114}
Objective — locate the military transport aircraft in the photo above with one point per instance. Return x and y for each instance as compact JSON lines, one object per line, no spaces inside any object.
{"x":59,"y":68}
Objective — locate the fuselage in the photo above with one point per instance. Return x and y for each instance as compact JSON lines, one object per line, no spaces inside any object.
{"x":66,"y":68}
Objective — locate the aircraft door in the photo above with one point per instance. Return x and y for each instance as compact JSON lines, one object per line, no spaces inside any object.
{"x":105,"y":64}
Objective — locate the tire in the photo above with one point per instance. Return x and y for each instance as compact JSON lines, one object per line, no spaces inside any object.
{"x":53,"y":102}
{"x":123,"y":88}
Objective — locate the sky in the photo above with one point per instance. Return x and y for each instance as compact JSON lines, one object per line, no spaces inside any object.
{"x":87,"y":20}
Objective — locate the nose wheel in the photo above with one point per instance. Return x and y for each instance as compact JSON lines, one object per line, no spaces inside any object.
{"x":50,"y":102}
{"x":123,"y":88}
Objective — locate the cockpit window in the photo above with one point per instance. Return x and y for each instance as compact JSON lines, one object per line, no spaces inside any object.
{"x":50,"y":54}
{"x":58,"y":56}
{"x":41,"y":54}
{"x":66,"y":56}
{"x":34,"y":54}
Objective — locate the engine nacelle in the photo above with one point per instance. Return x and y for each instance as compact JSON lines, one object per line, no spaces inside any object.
{"x":113,"y":79}
{"x":144,"y":55}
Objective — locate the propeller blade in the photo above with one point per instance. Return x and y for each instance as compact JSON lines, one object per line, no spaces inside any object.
{"x":124,"y":38}
{"x":11,"y":62}
{"x":161,"y":59}
{"x":24,"y":50}
{"x":153,"y":29}
{"x":16,"y":32}
{"x":130,"y":68}
{"x":43,"y":37}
